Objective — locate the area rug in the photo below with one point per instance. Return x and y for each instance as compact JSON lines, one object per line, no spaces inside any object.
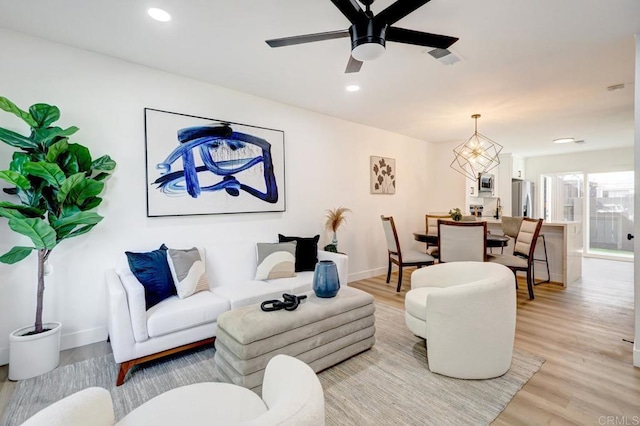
{"x":389,"y":384}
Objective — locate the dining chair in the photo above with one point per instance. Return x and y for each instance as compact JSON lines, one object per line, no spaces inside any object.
{"x":510,"y":227}
{"x":522,"y":258}
{"x":400,"y":257}
{"x":462,"y":241}
{"x":431,"y":228}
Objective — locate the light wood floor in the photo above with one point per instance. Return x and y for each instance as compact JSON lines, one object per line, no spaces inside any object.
{"x":588,"y":371}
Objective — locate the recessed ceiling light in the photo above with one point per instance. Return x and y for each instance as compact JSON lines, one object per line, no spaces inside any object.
{"x":563,"y":140}
{"x":352,"y":88}
{"x":159,"y":14}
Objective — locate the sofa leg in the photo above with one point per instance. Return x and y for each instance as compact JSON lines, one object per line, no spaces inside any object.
{"x":126,"y":365}
{"x":124,"y":369}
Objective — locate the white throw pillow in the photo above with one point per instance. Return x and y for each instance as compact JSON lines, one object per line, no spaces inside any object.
{"x":188,"y":271}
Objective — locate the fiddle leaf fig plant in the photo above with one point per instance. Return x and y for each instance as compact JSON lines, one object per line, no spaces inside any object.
{"x":56,"y":184}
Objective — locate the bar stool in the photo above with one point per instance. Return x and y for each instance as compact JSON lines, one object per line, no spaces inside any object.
{"x":545,"y":260}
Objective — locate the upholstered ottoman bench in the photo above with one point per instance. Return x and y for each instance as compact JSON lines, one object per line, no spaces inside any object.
{"x":320,"y":332}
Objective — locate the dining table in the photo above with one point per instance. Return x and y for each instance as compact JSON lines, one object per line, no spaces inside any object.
{"x":493,"y":240}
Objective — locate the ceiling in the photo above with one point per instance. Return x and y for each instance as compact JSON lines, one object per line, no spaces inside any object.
{"x":536,"y":70}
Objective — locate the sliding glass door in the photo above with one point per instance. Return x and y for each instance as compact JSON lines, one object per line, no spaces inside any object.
{"x":605,"y":208}
{"x":610,"y":213}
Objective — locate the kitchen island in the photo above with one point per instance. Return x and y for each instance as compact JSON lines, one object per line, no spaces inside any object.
{"x":564,"y":250}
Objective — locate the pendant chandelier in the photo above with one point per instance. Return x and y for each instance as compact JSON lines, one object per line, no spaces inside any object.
{"x":478,"y":154}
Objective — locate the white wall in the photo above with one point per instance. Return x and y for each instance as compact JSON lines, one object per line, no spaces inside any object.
{"x":448,"y":186}
{"x":610,"y":160}
{"x":327,"y":163}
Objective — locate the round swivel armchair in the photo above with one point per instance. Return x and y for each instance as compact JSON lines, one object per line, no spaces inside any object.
{"x":466,"y":311}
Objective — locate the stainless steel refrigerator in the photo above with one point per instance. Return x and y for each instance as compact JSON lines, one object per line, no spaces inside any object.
{"x":522,"y":198}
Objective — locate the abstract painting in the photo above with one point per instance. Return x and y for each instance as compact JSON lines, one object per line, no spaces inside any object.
{"x":383,"y":175}
{"x":198,"y":165}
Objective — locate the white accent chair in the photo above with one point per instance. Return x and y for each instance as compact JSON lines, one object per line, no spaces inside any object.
{"x":466,"y":311}
{"x":291,"y":395}
{"x":462,"y":241}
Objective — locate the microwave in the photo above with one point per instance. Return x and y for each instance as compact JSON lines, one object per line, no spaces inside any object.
{"x":486,"y":182}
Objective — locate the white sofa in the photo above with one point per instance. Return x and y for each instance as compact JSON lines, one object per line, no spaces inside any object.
{"x":138,"y":335}
{"x":291,"y":395}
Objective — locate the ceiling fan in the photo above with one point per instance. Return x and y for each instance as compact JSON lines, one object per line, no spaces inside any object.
{"x":369,"y":33}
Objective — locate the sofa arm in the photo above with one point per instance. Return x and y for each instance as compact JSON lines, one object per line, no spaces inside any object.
{"x":341,"y":261}
{"x":91,"y":406}
{"x":119,"y":319}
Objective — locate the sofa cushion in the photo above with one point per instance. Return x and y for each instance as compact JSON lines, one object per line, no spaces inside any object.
{"x":188,"y":271}
{"x":306,"y":251}
{"x":175,"y":314}
{"x":301,"y":283}
{"x":276,"y":260}
{"x":152,"y":270}
{"x":248,"y":293}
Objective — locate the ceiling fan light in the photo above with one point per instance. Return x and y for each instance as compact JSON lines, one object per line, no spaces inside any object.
{"x":367,"y":51}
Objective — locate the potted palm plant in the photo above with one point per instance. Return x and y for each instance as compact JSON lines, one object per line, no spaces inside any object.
{"x":56,"y":185}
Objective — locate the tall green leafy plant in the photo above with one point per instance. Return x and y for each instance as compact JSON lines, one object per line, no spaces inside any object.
{"x":56,"y":184}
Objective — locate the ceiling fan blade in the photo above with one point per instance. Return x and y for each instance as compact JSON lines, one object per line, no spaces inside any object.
{"x":399,"y":10}
{"x":307,"y":38}
{"x":351,"y":9}
{"x":353,"y":65}
{"x":402,"y":35}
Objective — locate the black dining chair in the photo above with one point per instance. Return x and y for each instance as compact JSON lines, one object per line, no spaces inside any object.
{"x":401,"y":258}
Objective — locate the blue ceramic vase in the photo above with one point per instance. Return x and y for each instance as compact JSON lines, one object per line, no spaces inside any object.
{"x":326,"y":282}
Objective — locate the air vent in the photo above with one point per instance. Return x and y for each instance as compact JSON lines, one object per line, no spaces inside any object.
{"x":445,"y":56}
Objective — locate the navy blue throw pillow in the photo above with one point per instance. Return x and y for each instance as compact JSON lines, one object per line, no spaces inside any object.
{"x":306,"y":251}
{"x":152,"y":270}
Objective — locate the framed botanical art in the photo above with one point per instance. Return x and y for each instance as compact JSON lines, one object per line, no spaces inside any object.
{"x":198,"y":165}
{"x":383,"y":175}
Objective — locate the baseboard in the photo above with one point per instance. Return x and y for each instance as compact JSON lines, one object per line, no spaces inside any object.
{"x":68,"y":341}
{"x":636,"y":354}
{"x":83,"y":337}
{"x":367,"y":274}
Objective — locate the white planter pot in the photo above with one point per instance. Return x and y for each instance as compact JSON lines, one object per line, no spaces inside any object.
{"x":33,"y":355}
